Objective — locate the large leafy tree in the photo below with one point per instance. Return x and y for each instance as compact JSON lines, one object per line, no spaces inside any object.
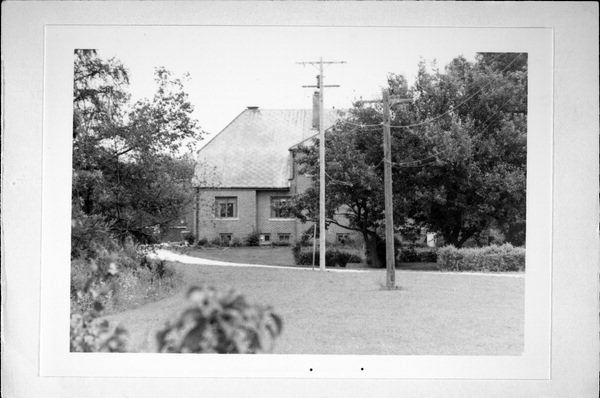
{"x":470,"y":126}
{"x":459,"y":166}
{"x":130,"y":164}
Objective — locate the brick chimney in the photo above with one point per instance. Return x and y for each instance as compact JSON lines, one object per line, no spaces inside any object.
{"x":315,"y":111}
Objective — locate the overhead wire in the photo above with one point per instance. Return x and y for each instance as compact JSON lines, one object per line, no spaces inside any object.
{"x":461,"y":104}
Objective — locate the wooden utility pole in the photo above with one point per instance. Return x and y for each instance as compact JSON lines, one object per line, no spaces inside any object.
{"x":390,"y":261}
{"x":321,"y":85}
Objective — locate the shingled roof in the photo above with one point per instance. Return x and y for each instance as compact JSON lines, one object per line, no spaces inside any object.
{"x":252,"y":151}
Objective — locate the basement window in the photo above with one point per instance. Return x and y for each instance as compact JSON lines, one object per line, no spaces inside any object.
{"x":284,"y":238}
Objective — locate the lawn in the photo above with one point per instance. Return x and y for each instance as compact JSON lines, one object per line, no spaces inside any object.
{"x":349,"y":312}
{"x":277,"y":255}
{"x":281,"y":255}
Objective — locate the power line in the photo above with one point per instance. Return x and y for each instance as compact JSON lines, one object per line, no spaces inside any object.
{"x":461,"y":104}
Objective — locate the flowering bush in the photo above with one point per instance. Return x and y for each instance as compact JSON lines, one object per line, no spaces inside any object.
{"x":217,"y":322}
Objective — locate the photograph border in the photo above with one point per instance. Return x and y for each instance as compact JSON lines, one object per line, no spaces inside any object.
{"x":570,"y":217}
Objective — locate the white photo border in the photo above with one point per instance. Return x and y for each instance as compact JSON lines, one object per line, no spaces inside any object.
{"x":56,"y":360}
{"x":573,"y":126}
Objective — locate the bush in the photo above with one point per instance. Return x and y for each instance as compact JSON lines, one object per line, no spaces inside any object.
{"x":216,"y":322}
{"x":189,"y":238}
{"x":202,"y":242}
{"x":90,"y":235}
{"x":333,"y":257}
{"x":236,"y":242}
{"x":215,"y":241}
{"x":281,"y":243}
{"x":503,"y":258}
{"x":418,"y":255}
{"x":253,"y":239}
{"x":87,"y":332}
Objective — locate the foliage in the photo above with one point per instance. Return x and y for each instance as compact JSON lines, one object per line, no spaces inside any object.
{"x":189,"y":238}
{"x":129,"y":168}
{"x":236,"y":242}
{"x":461,"y":165}
{"x":411,"y":254}
{"x":472,"y":138}
{"x":253,"y":239}
{"x":140,"y":279}
{"x":490,"y":258}
{"x":89,"y":235}
{"x":333,"y":257}
{"x":202,"y":242}
{"x":87,"y":332}
{"x":217,"y":322}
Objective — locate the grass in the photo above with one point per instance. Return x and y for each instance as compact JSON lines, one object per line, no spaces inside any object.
{"x":350,"y":312}
{"x":277,"y":255}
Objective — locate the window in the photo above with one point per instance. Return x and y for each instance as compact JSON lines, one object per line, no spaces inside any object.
{"x":226,"y":207}
{"x":279,"y":207}
{"x":284,"y":238}
{"x":265,"y":239}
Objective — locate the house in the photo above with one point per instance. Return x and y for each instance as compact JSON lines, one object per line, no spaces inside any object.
{"x":247,"y":170}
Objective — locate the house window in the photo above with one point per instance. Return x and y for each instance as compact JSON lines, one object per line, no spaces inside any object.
{"x":265,"y":239}
{"x":225,"y":239}
{"x":284,"y":238}
{"x":279,"y":208}
{"x":226,"y":207}
{"x":343,"y":238}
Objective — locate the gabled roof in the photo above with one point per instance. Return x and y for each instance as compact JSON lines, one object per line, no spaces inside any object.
{"x":253,"y":150}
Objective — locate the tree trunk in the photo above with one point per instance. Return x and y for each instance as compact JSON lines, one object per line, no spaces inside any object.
{"x":374,"y":259}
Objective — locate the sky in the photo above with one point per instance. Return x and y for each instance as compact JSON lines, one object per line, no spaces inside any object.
{"x":235,"y":67}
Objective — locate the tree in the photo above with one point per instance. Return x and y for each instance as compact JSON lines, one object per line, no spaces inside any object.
{"x":458,"y":169}
{"x":129,"y":160}
{"x":471,"y":123}
{"x":354,"y":181}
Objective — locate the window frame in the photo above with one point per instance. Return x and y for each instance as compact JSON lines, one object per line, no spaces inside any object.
{"x":274,"y":212}
{"x":226,"y":200}
{"x":286,"y":234}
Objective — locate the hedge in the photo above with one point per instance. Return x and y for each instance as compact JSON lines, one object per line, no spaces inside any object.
{"x":493,"y":258}
{"x":333,"y":257}
{"x":419,"y":255}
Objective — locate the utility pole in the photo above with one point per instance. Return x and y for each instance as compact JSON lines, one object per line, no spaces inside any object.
{"x":390,"y":261}
{"x":321,"y":85}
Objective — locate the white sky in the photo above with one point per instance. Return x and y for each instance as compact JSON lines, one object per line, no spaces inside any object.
{"x":235,"y":67}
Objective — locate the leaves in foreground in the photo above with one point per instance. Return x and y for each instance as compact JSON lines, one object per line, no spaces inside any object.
{"x":220,"y":322}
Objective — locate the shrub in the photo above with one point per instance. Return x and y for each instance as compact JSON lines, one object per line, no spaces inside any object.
{"x":87,"y":332}
{"x":189,"y":238}
{"x":202,"y":242}
{"x":488,"y":259}
{"x":215,"y":241}
{"x":253,"y":239}
{"x":281,"y":243}
{"x":236,"y":242}
{"x":418,"y":255}
{"x":90,"y":235}
{"x":333,"y":257}
{"x":216,"y":322}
